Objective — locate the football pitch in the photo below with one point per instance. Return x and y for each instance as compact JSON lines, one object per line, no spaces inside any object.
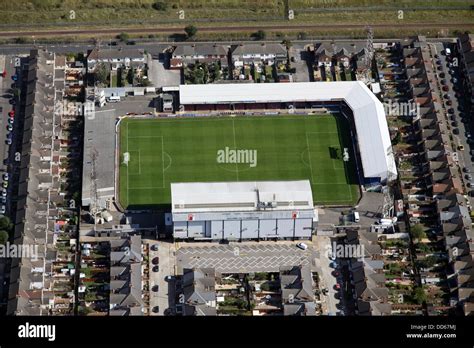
{"x":157,"y":152}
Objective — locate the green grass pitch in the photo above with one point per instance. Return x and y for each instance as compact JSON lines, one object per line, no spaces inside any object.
{"x":293,"y":147}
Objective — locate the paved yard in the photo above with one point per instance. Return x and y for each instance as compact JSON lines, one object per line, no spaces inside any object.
{"x":160,"y":76}
{"x":243,"y":257}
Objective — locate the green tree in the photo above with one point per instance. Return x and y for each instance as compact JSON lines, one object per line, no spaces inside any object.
{"x":419,"y":295}
{"x":417,"y":232}
{"x":130,"y":75}
{"x":260,"y":35}
{"x":190,"y":31}
{"x":287,"y":43}
{"x":102,"y":72}
{"x":160,"y":6}
{"x":123,"y":36}
{"x":301,"y":35}
{"x":3,"y":237}
{"x":5,"y":223}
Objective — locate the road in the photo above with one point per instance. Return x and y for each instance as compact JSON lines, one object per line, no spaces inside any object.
{"x":326,"y":278}
{"x":211,"y":29}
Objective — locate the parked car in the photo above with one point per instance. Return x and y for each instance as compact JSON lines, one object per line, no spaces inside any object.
{"x":5,"y":184}
{"x":156,"y":260}
{"x":6,"y":176}
{"x":456,"y":131}
{"x":15,"y":77}
{"x":8,"y":141}
{"x":460,"y":147}
{"x":302,"y":246}
{"x":468,"y":176}
{"x":3,"y":199}
{"x":156,"y":268}
{"x":4,"y":193}
{"x":154,"y":247}
{"x":9,"y":128}
{"x":466,"y":170}
{"x":445,"y":88}
{"x":455,"y":124}
{"x":3,"y":209}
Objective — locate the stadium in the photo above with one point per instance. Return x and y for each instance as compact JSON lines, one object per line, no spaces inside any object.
{"x":333,"y":134}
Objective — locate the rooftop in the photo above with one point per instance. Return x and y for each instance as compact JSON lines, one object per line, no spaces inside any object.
{"x":241,"y":196}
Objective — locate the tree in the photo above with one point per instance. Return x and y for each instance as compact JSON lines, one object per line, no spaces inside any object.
{"x":190,"y":31}
{"x":301,"y":35}
{"x":260,"y":35}
{"x":419,"y":295}
{"x":123,"y":36}
{"x":102,"y":72}
{"x":3,"y":237}
{"x":287,"y":43}
{"x":130,"y":75}
{"x":160,"y":6}
{"x":5,"y":223}
{"x":417,"y":232}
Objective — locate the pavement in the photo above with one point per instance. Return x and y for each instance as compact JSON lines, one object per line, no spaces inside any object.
{"x":326,"y":279}
{"x":135,"y":104}
{"x":165,"y":293}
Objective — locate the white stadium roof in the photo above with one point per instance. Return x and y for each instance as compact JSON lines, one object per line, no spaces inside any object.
{"x":240,"y":196}
{"x":369,"y":115}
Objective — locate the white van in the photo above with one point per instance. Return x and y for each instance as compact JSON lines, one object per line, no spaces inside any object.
{"x":113,"y":99}
{"x":448,"y":51}
{"x":356,"y":216}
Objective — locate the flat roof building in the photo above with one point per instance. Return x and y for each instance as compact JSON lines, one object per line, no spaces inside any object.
{"x":242,"y":210}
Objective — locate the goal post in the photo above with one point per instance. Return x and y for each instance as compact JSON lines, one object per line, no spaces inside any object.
{"x":126,"y":158}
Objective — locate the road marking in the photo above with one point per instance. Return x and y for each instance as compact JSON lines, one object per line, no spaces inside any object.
{"x":309,"y":158}
{"x":235,"y":148}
